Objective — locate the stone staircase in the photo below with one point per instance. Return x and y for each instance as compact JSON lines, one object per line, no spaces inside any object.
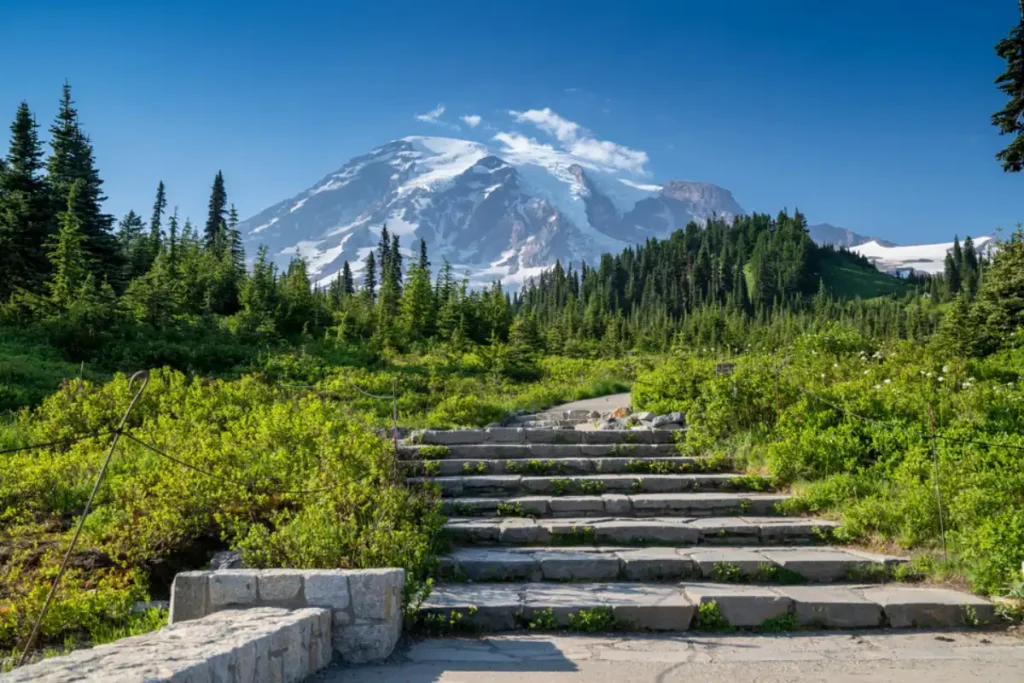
{"x":555,"y":527}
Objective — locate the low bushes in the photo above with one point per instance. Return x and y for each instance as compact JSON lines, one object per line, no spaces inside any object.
{"x":847,"y":424}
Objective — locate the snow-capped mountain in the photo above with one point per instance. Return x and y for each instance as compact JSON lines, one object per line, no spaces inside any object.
{"x":497,"y":214}
{"x":922,"y":258}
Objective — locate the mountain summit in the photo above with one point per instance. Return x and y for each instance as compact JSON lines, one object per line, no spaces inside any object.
{"x":498,"y":214}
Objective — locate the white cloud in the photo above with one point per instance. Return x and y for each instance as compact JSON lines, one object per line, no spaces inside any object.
{"x":549,"y":122}
{"x":471,"y":120}
{"x":432,"y":116}
{"x":574,"y":139}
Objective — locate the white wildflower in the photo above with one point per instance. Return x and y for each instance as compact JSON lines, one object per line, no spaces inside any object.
{"x":878,"y":386}
{"x":942,"y":379}
{"x":945,"y":368}
{"x":888,"y":381}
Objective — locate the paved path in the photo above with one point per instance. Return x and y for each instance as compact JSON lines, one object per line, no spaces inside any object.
{"x":837,"y":657}
{"x":602,"y":403}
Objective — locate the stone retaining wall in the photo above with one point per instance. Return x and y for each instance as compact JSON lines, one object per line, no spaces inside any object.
{"x":262,"y":645}
{"x":365,"y":605}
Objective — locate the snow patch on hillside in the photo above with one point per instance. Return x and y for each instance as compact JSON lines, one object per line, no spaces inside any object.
{"x":925,"y":258}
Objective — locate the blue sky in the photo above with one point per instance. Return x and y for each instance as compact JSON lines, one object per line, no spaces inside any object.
{"x":870,"y":115}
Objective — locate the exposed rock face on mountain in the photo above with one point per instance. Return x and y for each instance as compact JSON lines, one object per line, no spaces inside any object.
{"x":495,"y":215}
{"x":825,"y":233}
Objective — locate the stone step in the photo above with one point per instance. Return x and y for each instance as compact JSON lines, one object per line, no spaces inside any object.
{"x":632,"y":505}
{"x":538,"y":451}
{"x":563,"y":466}
{"x":526,"y":435}
{"x":728,"y":565}
{"x":512,"y":484}
{"x":663,"y":531}
{"x":688,"y":606}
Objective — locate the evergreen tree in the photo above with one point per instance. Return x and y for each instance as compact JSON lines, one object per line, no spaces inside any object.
{"x":234,"y":239}
{"x":370,"y":276}
{"x":135,"y":246}
{"x":25,"y":224}
{"x":951,"y":275}
{"x":156,"y":221}
{"x":396,"y":260}
{"x":1010,"y":119}
{"x":1000,"y":304}
{"x":383,"y":251}
{"x":348,"y":286}
{"x":72,"y":160}
{"x":297,"y":300}
{"x":969,"y":269}
{"x":423,"y":262}
{"x":68,"y":255}
{"x":172,"y":243}
{"x":216,"y":216}
{"x":259,"y":296}
{"x":387,"y":304}
{"x":417,"y":306}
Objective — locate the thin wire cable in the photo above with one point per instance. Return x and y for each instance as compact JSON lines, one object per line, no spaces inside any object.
{"x":388,"y":397}
{"x":227,"y":480}
{"x":68,"y":441}
{"x":88,"y":506}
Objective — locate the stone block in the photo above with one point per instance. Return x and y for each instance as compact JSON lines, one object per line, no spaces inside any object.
{"x":377,"y":593}
{"x":359,"y":644}
{"x":520,"y":531}
{"x":534,"y":505}
{"x":568,"y":566}
{"x":658,"y":612}
{"x":280,"y":585}
{"x":742,"y":606}
{"x":189,"y":597}
{"x":819,"y":564}
{"x":232,"y":588}
{"x":326,"y":588}
{"x":451,"y":438}
{"x":617,"y":504}
{"x":718,"y":564}
{"x":506,"y":435}
{"x":488,"y":565}
{"x":832,"y":607}
{"x":655,"y":564}
{"x":930,"y":607}
{"x":576,"y":504}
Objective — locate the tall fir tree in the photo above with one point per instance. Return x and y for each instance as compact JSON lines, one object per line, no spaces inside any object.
{"x":970,"y":269}
{"x":25,"y":223}
{"x":72,"y":160}
{"x":1010,"y":119}
{"x":172,"y":243}
{"x":348,"y":285}
{"x":216,"y":216}
{"x":951,"y":274}
{"x":156,"y":220}
{"x":383,"y":251}
{"x":396,"y":261}
{"x":68,"y":255}
{"x":234,"y":239}
{"x":424,"y":262}
{"x":370,"y":276}
{"x":135,"y":252}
